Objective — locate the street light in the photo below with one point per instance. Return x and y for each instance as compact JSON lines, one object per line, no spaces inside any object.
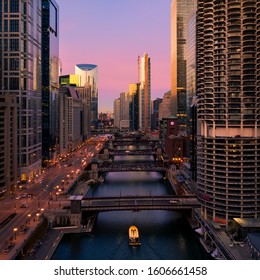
{"x":29,"y":217}
{"x":37,"y":215}
{"x":15,"y":230}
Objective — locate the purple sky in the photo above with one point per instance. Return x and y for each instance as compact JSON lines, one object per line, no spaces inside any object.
{"x":111,"y":34}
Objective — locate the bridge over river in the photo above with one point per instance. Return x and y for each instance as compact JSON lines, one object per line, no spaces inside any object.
{"x":137,"y":203}
{"x":142,"y":166}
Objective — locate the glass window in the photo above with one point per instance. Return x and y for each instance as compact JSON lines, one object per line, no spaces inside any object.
{"x":14,"y":25}
{"x":14,"y":6}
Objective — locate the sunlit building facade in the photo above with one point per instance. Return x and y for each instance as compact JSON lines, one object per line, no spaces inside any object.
{"x":180,"y":10}
{"x":228,"y":109}
{"x":21,"y":75}
{"x":89,"y":77}
{"x":144,"y":80}
{"x":133,"y":106}
{"x":50,"y":79}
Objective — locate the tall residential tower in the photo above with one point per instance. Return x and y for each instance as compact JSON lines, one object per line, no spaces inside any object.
{"x":228,"y":108}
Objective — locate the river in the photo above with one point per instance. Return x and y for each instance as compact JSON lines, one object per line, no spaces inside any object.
{"x":164,"y":235}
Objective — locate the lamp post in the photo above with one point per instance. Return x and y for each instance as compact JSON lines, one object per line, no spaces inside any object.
{"x":29,"y":218}
{"x":37,"y":215}
{"x":15,"y":230}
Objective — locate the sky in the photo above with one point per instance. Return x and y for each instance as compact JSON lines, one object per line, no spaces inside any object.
{"x":112,"y":34}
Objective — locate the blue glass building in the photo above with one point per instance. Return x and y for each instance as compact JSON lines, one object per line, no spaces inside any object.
{"x":50,"y":79}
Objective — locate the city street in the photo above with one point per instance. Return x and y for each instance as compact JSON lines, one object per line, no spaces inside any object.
{"x":48,"y":191}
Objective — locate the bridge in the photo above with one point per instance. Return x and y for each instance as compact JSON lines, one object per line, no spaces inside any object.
{"x":147,"y":152}
{"x":136,"y":203}
{"x":142,"y":166}
{"x":135,"y":142}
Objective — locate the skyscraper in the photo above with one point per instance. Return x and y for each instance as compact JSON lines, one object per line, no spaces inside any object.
{"x":180,"y":10}
{"x":50,"y":78}
{"x":20,"y":75}
{"x":228,"y":90}
{"x":144,"y":80}
{"x":133,"y":106}
{"x":89,"y":76}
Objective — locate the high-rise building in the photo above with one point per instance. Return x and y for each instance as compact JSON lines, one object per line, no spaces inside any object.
{"x":50,"y":79}
{"x":228,"y":93}
{"x":8,"y":143}
{"x":190,"y":78}
{"x":89,"y":76}
{"x":70,"y":119}
{"x":155,"y":113}
{"x":84,"y":93}
{"x":133,"y":106}
{"x":117,"y":113}
{"x":21,"y":75}
{"x":165,"y":106}
{"x":124,"y":110}
{"x":180,"y":10}
{"x":70,"y":80}
{"x":144,"y":80}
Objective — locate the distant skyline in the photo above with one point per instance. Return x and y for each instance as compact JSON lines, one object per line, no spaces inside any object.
{"x":112,"y":34}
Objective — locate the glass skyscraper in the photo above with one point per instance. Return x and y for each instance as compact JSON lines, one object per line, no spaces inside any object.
{"x":180,"y":10}
{"x":89,"y":77}
{"x":50,"y":78}
{"x":20,"y":74}
{"x":228,"y":109}
{"x":144,"y":81}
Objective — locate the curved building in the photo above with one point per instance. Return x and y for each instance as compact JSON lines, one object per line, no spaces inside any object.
{"x":89,"y":77}
{"x":228,"y":91}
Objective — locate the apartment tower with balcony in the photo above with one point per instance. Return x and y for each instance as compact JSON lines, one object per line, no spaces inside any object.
{"x":228,"y":109}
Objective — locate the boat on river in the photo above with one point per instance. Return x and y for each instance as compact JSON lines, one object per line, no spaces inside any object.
{"x":134,"y":239}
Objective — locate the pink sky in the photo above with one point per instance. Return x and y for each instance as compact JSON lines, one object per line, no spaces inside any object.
{"x":111,"y":34}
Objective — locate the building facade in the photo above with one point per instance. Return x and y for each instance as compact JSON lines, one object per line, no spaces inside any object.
{"x":117,"y":113}
{"x":21,"y":74}
{"x":190,"y":78}
{"x":50,"y":79}
{"x":144,"y":80}
{"x":8,"y":143}
{"x":155,"y":113}
{"x":180,"y":10}
{"x":70,"y":119}
{"x":133,"y":106}
{"x":89,"y":77}
{"x":165,"y":106}
{"x":228,"y":109}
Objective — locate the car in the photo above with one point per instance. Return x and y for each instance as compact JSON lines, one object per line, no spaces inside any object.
{"x":23,"y":205}
{"x":8,"y":248}
{"x":174,"y":201}
{"x":18,"y":197}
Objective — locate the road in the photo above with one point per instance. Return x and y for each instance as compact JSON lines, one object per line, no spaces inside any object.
{"x":45,"y":192}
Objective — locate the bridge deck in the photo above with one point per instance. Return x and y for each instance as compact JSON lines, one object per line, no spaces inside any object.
{"x":140,"y":203}
{"x":144,"y":166}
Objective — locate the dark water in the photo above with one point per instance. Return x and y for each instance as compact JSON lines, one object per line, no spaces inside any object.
{"x":164,"y":235}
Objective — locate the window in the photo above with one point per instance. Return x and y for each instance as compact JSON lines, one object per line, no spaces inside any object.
{"x":14,"y":25}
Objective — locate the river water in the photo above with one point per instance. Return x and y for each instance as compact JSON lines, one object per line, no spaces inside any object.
{"x":164,"y":235}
